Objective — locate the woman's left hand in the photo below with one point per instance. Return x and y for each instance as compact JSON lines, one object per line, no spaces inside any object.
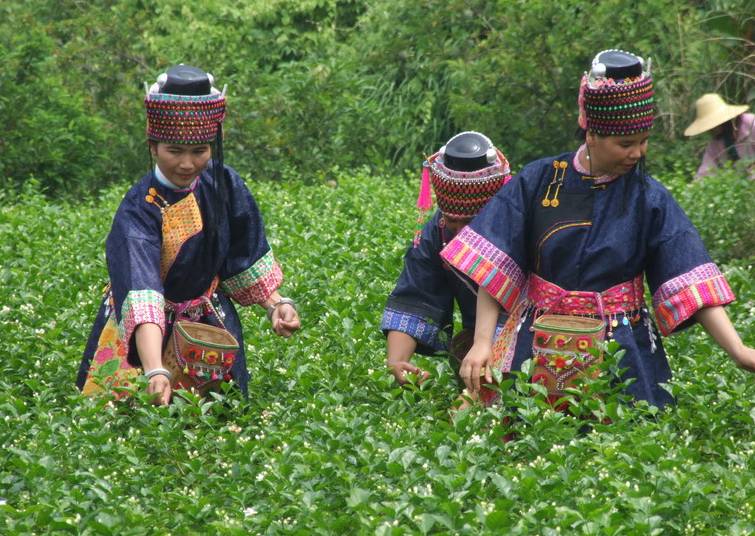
{"x":285,"y":320}
{"x":745,"y":358}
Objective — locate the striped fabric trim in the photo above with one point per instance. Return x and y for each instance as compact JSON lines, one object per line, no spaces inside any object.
{"x":141,"y":307}
{"x":486,"y":265}
{"x":681,"y":297}
{"x":421,"y":329}
{"x":257,"y":283}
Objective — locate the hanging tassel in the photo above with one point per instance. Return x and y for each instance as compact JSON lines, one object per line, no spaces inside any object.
{"x":424,"y":202}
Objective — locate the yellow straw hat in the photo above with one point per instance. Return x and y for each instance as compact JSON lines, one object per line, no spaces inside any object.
{"x":712,"y":111}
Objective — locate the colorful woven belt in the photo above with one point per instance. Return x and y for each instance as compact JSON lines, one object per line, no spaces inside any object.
{"x":193,"y":309}
{"x":622,"y":299}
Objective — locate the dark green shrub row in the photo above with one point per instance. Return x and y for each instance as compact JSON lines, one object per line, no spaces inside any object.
{"x":721,"y":207}
{"x":318,"y":83}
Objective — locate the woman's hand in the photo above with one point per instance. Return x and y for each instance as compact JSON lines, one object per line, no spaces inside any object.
{"x":475,"y":364}
{"x":285,"y":320}
{"x":745,"y":358}
{"x":399,"y":369}
{"x":159,"y":386}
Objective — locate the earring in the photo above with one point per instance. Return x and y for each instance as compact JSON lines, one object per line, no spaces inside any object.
{"x":589,"y":160}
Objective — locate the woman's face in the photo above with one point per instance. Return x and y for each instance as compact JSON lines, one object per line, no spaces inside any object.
{"x":181,"y":163}
{"x":616,"y":155}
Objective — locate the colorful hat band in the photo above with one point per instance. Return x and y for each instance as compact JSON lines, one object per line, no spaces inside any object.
{"x":184,"y":119}
{"x":461,"y":194}
{"x":616,"y":108}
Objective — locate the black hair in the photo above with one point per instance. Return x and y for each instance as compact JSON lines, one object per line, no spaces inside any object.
{"x":217,"y":209}
{"x":727,"y":136}
{"x":215,"y":213}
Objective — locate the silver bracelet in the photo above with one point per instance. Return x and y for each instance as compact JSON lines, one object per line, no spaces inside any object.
{"x":282,"y":301}
{"x":156,"y":372}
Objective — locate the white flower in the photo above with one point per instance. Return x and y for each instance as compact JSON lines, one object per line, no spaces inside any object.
{"x":249,"y":512}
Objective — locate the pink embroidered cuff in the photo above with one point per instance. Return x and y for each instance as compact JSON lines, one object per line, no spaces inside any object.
{"x":141,"y":307}
{"x":486,"y":265}
{"x":257,"y":283}
{"x":681,"y":297}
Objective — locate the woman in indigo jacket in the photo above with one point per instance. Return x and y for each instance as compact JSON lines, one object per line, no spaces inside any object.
{"x":186,"y":240}
{"x":465,"y":173}
{"x":580,"y":233}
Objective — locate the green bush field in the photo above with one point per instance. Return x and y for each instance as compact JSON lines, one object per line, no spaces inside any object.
{"x":326,"y":442}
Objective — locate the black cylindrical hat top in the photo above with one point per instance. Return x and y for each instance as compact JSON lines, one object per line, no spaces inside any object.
{"x":186,"y":80}
{"x":468,"y":151}
{"x":617,"y":64}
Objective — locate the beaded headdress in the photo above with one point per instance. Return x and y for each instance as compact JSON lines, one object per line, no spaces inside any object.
{"x":192,"y":116}
{"x":461,"y":194}
{"x":616,"y":96}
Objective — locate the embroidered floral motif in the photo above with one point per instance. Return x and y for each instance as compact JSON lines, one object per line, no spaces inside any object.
{"x":487,"y":265}
{"x":681,"y":297}
{"x":181,"y":221}
{"x":141,"y":307}
{"x":110,"y":346}
{"x":255,"y":284}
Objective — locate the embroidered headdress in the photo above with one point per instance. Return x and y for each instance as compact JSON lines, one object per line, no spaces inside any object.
{"x":616,"y":96}
{"x":183,"y":107}
{"x":465,"y":174}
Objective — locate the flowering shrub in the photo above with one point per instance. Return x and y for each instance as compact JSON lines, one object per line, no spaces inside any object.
{"x":326,"y":442}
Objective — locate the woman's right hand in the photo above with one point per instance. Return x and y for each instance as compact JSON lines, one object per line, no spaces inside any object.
{"x":476,"y":363}
{"x":400,"y":368}
{"x":159,"y":387}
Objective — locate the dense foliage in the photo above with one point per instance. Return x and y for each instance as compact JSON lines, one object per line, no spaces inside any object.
{"x":326,"y":442}
{"x":320,"y":83}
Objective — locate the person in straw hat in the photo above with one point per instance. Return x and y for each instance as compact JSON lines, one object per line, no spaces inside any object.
{"x":187,"y":239}
{"x":732,"y":127}
{"x":576,"y":237}
{"x":418,"y":316}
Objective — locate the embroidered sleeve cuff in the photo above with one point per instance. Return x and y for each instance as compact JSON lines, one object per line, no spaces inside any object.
{"x":257,"y":283}
{"x":681,"y":297}
{"x":424,"y":331}
{"x":141,"y":307}
{"x":486,"y":265}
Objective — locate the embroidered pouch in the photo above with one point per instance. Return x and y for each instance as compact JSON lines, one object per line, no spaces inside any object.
{"x":560,"y":350}
{"x":199,"y":356}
